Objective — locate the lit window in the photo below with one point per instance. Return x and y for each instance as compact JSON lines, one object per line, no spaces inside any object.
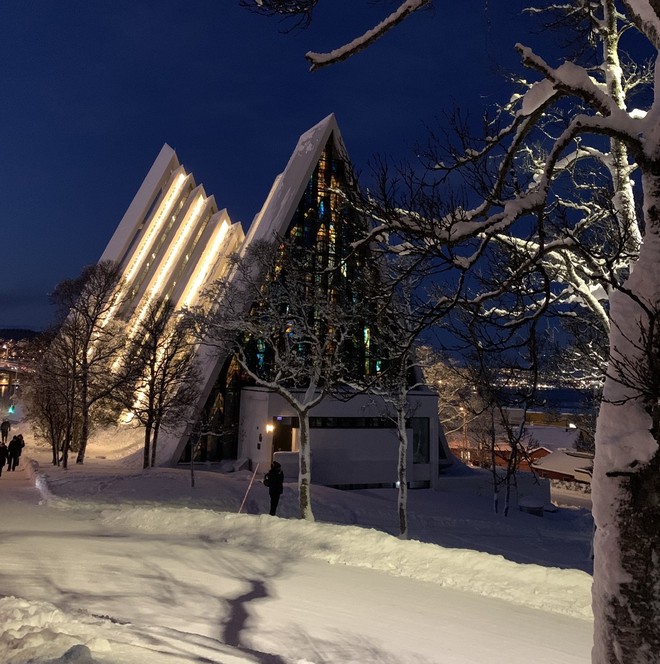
{"x":261,"y":353}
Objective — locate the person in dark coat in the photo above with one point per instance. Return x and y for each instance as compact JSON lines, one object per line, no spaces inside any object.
{"x":5,"y":427}
{"x":4,"y":453}
{"x":15,"y":448}
{"x":274,"y":480}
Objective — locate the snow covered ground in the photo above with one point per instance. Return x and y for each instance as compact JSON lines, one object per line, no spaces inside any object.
{"x":106,"y":563}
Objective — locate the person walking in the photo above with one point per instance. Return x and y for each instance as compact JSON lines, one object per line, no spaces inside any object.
{"x":274,"y":480}
{"x":4,"y":453}
{"x":15,"y":448}
{"x":5,"y":427}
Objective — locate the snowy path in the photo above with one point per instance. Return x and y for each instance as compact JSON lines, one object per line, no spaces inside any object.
{"x":204,"y":598}
{"x":402,"y":620}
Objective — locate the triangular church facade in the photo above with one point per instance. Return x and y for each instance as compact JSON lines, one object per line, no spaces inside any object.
{"x":173,"y":241}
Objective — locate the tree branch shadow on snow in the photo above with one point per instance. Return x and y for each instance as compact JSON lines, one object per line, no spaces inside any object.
{"x":166,"y":588}
{"x":101,"y":601}
{"x":345,"y":647}
{"x":238,"y":617}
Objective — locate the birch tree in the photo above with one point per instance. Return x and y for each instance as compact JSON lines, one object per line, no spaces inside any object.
{"x":623,"y":289}
{"x":558,"y":266}
{"x":572,"y":133}
{"x":290,"y":332}
{"x":397,"y":321}
{"x":547,"y":218}
{"x":396,"y":386}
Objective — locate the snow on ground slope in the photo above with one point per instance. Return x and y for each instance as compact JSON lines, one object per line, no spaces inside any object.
{"x":126,"y":566}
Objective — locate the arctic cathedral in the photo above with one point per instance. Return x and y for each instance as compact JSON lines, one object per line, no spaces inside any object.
{"x":173,"y":241}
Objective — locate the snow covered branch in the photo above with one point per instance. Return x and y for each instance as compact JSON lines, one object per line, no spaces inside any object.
{"x":318,"y":60}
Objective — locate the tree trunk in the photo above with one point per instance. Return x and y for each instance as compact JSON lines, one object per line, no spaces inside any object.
{"x":304,"y":480}
{"x":154,"y":443}
{"x":403,"y":470}
{"x":192,"y":465}
{"x":70,"y":410}
{"x":147,"y":444}
{"x":68,"y":435}
{"x":84,"y":430}
{"x":493,"y":464}
{"x":65,"y":448}
{"x":626,"y":479}
{"x":54,"y":441}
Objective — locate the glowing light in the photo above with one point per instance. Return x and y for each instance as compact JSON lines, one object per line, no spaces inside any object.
{"x":146,"y":243}
{"x":164,"y":271}
{"x":209,"y":256}
{"x":155,"y":226}
{"x":270,"y":428}
{"x":168,"y":264}
{"x":127,"y":417}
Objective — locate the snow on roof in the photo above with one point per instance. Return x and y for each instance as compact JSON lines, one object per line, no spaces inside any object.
{"x":165,"y":164}
{"x":546,"y":437}
{"x":552,"y":438}
{"x":567,"y":463}
{"x":288,"y":187}
{"x":505,"y":446}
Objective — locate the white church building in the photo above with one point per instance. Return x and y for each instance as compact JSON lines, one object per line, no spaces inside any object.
{"x":173,"y":241}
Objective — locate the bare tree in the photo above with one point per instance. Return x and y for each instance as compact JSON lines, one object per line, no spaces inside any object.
{"x":162,"y":357}
{"x":395,"y":326}
{"x":481,"y":392}
{"x":45,"y":398}
{"x":205,"y":426}
{"x":394,"y":386}
{"x":560,"y":251}
{"x":562,"y":141}
{"x":85,"y":347}
{"x":291,"y":330}
{"x":459,"y":404}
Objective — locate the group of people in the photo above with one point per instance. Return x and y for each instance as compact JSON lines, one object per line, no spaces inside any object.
{"x":10,"y":454}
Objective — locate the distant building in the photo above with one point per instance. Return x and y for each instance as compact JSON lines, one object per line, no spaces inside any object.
{"x":173,"y":241}
{"x":566,"y":465}
{"x":538,"y":441}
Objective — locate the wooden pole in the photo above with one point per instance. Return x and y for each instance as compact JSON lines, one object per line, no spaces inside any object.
{"x":248,"y":489}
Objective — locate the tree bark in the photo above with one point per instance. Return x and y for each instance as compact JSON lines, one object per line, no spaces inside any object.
{"x":626,"y":480}
{"x":154,"y":443}
{"x":147,"y":445}
{"x":304,"y":458}
{"x":403,"y":471}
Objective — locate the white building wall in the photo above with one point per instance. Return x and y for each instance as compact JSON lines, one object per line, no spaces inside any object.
{"x":254,"y":442}
{"x":340,"y":456}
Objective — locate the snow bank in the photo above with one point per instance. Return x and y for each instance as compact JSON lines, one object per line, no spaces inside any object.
{"x":566,"y":592}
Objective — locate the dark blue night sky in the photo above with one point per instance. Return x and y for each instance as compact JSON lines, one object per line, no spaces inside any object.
{"x":92,"y":89}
